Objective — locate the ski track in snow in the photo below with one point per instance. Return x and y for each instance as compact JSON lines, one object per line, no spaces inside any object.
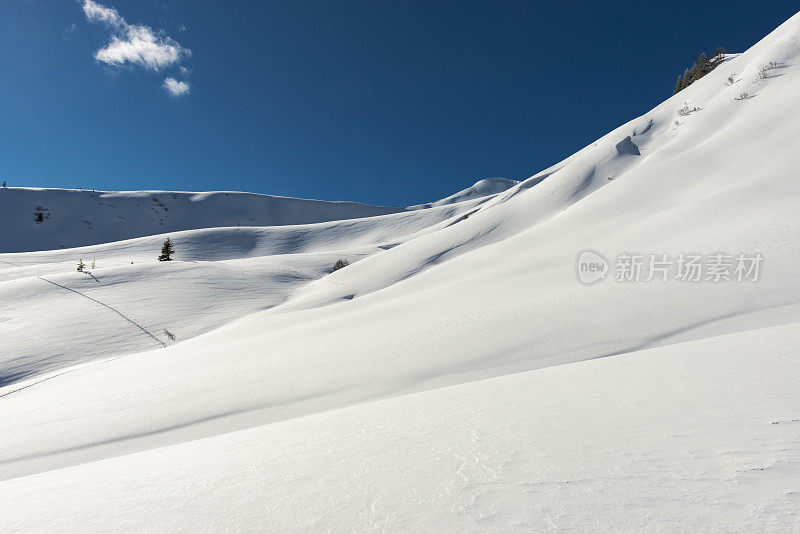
{"x":125,"y":317}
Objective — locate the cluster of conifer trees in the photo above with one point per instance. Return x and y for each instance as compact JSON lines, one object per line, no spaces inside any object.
{"x":701,"y":67}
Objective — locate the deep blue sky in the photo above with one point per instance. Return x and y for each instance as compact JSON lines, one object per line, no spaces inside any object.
{"x":373,"y":101}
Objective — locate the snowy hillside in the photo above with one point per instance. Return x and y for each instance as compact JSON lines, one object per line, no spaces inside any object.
{"x":443,"y":380}
{"x":46,"y":219}
{"x":482,"y":188}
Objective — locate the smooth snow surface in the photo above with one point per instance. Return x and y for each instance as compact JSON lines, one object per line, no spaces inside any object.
{"x":680,"y":438}
{"x":457,"y":375}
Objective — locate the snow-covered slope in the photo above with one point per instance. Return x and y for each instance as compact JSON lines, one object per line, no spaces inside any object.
{"x":54,"y":316}
{"x":482,"y":188}
{"x":258,"y":416}
{"x":46,"y":219}
{"x":676,"y":439}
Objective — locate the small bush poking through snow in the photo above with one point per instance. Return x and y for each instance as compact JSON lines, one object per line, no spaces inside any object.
{"x":744,"y":95}
{"x":81,"y":265}
{"x":730,"y":80}
{"x":169,"y":334}
{"x":764,"y":70}
{"x":340,"y":264}
{"x":686,"y":110}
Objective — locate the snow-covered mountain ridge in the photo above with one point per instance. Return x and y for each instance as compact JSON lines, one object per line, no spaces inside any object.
{"x":46,"y":219}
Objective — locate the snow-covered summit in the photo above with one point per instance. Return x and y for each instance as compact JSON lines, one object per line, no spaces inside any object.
{"x":481,"y":188}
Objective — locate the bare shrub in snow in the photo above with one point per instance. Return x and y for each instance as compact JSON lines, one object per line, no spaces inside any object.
{"x":764,"y":70}
{"x":340,"y":264}
{"x":686,"y":110}
{"x":730,"y":80}
{"x":169,"y":334}
{"x":744,"y":95}
{"x":81,"y":265}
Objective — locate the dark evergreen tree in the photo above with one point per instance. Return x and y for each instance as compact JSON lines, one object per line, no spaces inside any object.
{"x":166,"y":251}
{"x":702,"y":67}
{"x":678,"y":85}
{"x":340,"y":263}
{"x":81,"y":265}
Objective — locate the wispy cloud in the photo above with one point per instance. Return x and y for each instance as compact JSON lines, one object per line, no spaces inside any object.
{"x":99,"y":13}
{"x":136,"y":44}
{"x":175,"y":87}
{"x":68,"y":31}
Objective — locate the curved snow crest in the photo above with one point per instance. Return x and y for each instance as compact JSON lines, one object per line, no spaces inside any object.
{"x":481,"y":188}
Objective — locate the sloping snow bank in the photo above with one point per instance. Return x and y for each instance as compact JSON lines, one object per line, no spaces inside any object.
{"x":697,"y":436}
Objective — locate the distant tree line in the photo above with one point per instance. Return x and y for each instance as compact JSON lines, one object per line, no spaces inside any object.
{"x":701,"y":67}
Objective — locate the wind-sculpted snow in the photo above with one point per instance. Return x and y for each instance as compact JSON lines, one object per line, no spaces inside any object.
{"x":669,"y":438}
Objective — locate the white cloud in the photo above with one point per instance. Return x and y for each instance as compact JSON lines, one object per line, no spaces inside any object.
{"x":138,"y":45}
{"x":175,"y":87}
{"x":99,"y":13}
{"x":134,"y":44}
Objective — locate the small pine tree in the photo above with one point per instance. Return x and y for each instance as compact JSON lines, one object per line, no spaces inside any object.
{"x":703,"y":65}
{"x":166,"y":251}
{"x":81,"y":265}
{"x":340,"y":263}
{"x":678,"y":85}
